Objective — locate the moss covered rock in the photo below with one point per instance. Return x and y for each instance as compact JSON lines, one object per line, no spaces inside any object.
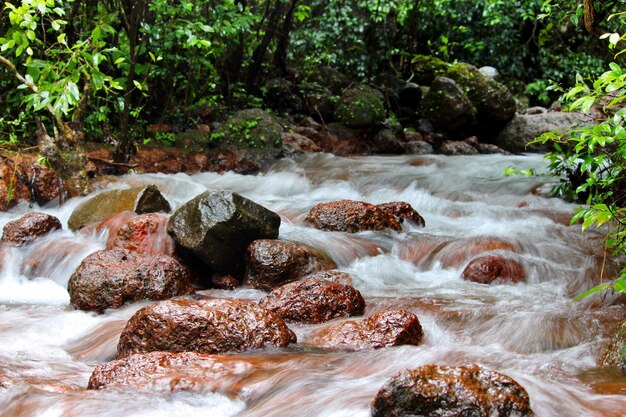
{"x":319,"y":101}
{"x":615,"y":352}
{"x":447,"y":106}
{"x":250,"y":129}
{"x":330,"y":78}
{"x":493,"y":101}
{"x":361,"y":107}
{"x":426,"y":68}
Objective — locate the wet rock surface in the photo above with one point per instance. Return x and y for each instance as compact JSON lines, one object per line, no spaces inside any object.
{"x":614,"y":353}
{"x":29,"y":228}
{"x":172,"y":372}
{"x":314,"y":301}
{"x":112,"y":278}
{"x":350,"y":216}
{"x":218,"y":226}
{"x":272,"y":263}
{"x":144,"y":199}
{"x":401,"y":211}
{"x":383,"y":329}
{"x":448,"y":391}
{"x":203,"y":326}
{"x":494,"y":269}
{"x":146,"y":233}
{"x":337,"y":277}
{"x":447,"y":106}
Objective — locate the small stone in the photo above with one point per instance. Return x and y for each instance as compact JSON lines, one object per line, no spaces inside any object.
{"x":494,"y":269}
{"x":29,"y":228}
{"x":402,"y":210}
{"x":383,"y":329}
{"x":350,"y":216}
{"x":314,"y":301}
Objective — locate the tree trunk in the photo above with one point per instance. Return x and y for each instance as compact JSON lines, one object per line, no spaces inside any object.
{"x":280,"y":56}
{"x":259,"y":52}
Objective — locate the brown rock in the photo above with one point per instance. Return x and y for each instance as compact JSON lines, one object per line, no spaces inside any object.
{"x":451,"y":391}
{"x":173,"y":372}
{"x":314,"y":301}
{"x":112,"y":278}
{"x":204,"y":326}
{"x":383,"y":329}
{"x":272,"y":263}
{"x":350,"y":216}
{"x":12,"y":188}
{"x":146,"y":233}
{"x":494,"y":269}
{"x":28,"y":228}
{"x":402,"y":210}
{"x":224,"y":282}
{"x":44,"y":184}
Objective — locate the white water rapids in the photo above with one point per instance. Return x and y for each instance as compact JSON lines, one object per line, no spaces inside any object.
{"x":532,"y":332}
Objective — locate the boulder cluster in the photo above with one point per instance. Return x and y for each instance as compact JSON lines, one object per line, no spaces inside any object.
{"x":223,"y":239}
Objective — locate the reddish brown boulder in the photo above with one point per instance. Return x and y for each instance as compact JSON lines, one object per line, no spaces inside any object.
{"x":383,"y":329}
{"x":173,"y":372}
{"x":29,"y":227}
{"x":146,"y":233}
{"x":203,"y":326}
{"x":494,"y":269}
{"x":450,"y":391}
{"x":351,"y":216}
{"x":401,"y":210}
{"x":314,"y":301}
{"x":272,"y":263}
{"x":112,"y":278}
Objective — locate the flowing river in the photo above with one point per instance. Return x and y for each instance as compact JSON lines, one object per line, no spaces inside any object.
{"x":532,"y":332}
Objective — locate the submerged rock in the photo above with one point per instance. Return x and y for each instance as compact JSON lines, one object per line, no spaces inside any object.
{"x":314,"y":301}
{"x":401,"y":211}
{"x":272,"y":263}
{"x":218,"y":226}
{"x":494,"y":269}
{"x":172,"y":372}
{"x":144,"y":199}
{"x":112,"y":278}
{"x":203,"y":326}
{"x":383,"y":329}
{"x":451,"y":391}
{"x":351,"y":216}
{"x":146,"y":233}
{"x":29,"y":228}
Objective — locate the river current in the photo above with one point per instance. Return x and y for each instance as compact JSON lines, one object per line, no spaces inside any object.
{"x":533,"y":332}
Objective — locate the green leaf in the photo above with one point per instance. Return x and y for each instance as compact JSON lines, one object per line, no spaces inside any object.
{"x":591,"y":291}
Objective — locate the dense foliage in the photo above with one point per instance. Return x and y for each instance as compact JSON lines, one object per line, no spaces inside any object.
{"x":591,"y":161}
{"x":109,"y":68}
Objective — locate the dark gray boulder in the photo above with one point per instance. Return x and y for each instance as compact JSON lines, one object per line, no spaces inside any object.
{"x":447,"y":106}
{"x":218,"y":226}
{"x":523,"y":128}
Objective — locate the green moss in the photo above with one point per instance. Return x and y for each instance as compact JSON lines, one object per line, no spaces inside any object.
{"x":426,"y":68}
{"x":252,"y":129}
{"x":360,"y":107}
